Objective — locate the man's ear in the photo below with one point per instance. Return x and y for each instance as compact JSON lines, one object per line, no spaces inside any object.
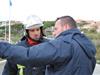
{"x":65,"y":27}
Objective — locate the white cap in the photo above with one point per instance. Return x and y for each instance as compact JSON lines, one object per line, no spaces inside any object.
{"x":33,"y":22}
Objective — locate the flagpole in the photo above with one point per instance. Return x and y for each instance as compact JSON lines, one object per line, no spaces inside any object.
{"x":9,"y":21}
{"x":9,"y":27}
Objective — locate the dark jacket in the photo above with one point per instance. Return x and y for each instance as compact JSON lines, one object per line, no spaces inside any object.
{"x":71,"y":53}
{"x":11,"y":68}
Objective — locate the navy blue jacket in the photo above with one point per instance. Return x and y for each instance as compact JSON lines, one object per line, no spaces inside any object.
{"x":11,"y":68}
{"x":71,"y":53}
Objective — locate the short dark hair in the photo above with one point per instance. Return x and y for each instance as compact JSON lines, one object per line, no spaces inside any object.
{"x":67,"y":20}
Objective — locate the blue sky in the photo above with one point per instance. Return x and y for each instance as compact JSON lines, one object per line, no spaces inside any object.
{"x":50,"y":9}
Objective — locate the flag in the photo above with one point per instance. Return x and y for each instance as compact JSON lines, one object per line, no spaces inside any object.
{"x":10,"y":3}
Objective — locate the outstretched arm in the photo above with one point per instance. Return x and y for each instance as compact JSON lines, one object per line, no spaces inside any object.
{"x":42,"y":54}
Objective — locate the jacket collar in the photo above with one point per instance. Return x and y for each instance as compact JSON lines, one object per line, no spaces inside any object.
{"x":70,"y":31}
{"x":31,"y":42}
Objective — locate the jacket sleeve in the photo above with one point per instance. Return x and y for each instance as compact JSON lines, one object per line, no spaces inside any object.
{"x":9,"y":69}
{"x":50,"y":52}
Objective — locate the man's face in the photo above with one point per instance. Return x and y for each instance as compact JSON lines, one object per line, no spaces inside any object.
{"x":34,"y":33}
{"x":58,"y":28}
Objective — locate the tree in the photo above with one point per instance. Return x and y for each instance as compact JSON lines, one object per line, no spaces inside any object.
{"x":48,"y":24}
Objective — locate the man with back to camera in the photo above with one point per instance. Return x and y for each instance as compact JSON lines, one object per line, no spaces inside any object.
{"x":70,"y":53}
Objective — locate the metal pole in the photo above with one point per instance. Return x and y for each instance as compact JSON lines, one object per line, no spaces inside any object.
{"x":9,"y":29}
{"x":9,"y":24}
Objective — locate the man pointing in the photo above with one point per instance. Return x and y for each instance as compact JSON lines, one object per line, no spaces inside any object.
{"x":70,"y":53}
